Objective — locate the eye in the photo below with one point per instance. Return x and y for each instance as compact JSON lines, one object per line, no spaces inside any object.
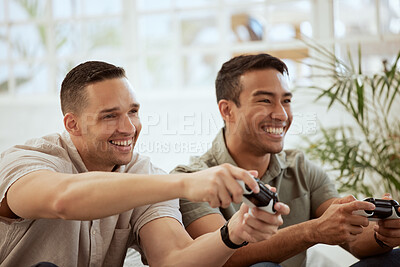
{"x":265,"y":101}
{"x":133,"y":111}
{"x":109,"y":116}
{"x":287,"y":101}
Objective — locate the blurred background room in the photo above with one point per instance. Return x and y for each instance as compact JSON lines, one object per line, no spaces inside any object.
{"x":172,"y":51}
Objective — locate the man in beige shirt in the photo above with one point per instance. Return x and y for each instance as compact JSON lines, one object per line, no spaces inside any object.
{"x":83,"y":197}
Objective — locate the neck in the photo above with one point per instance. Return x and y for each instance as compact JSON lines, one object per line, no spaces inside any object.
{"x":93,"y":167}
{"x":87,"y":159}
{"x":245,"y":158}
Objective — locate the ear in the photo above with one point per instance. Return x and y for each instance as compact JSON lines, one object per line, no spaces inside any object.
{"x":225,"y":109}
{"x":71,"y":124}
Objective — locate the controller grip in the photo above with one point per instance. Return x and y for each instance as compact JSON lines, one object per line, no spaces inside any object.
{"x":384,"y":209}
{"x":269,"y":208}
{"x":370,"y":215}
{"x":362,"y":213}
{"x":247,"y":193}
{"x":246,"y":190}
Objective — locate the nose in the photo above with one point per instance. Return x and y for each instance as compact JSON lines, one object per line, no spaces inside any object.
{"x":126,"y":125}
{"x":279,"y":112}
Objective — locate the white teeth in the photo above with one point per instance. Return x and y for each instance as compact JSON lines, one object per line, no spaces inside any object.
{"x":274,"y":130}
{"x":122,"y":143}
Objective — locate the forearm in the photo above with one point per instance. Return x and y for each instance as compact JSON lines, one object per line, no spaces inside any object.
{"x":166,"y":243}
{"x":206,"y":250}
{"x":283,"y":245}
{"x":89,"y":195}
{"x":99,"y":196}
{"x":86,"y":196}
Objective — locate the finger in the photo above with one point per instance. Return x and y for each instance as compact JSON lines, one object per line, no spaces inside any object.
{"x":244,"y":208}
{"x":234,"y":190}
{"x":260,"y":231}
{"x":222,"y":191}
{"x":214,"y":203}
{"x":390,"y":223}
{"x":245,"y":176}
{"x":358,"y":220}
{"x":254,"y":173}
{"x":256,"y":230}
{"x":212,"y":197}
{"x":264,"y":217}
{"x":346,"y":199}
{"x":273,"y":189}
{"x":225,"y":198}
{"x":358,"y":205}
{"x":394,"y":234}
{"x":355,"y":230}
{"x":228,"y":187}
{"x":387,"y":196}
{"x":388,"y":232}
{"x":282,"y":208}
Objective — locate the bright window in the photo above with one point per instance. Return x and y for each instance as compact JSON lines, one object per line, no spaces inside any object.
{"x":178,"y":45}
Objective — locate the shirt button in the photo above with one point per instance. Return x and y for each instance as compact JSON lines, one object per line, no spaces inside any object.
{"x":93,"y":232}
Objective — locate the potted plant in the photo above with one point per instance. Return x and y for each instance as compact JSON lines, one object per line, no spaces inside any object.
{"x":365,"y":155}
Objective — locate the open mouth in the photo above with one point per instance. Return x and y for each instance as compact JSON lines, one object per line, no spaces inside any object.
{"x":123,"y":146}
{"x":279,"y":131}
{"x":123,"y":143}
{"x":273,"y":130}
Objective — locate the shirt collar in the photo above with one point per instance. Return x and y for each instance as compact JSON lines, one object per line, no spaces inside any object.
{"x":220,"y":151}
{"x":73,"y":153}
{"x":277,"y":163}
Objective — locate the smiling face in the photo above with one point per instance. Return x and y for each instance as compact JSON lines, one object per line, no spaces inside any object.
{"x":260,"y":123}
{"x":107,"y":129}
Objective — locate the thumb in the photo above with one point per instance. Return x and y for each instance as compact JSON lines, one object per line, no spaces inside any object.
{"x":244,"y":209}
{"x":387,"y":196}
{"x":254,"y":173}
{"x":346,"y":199}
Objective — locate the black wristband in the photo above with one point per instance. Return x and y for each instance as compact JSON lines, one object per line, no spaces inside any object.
{"x":227,"y":241}
{"x":380,"y":242}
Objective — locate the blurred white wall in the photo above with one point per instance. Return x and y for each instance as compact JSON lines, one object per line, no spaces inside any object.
{"x":175,"y":126}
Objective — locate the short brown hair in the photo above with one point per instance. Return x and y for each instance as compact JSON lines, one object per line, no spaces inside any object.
{"x":228,"y":85}
{"x":73,"y":95}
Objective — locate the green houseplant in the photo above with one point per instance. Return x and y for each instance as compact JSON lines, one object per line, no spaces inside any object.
{"x":364,"y":155}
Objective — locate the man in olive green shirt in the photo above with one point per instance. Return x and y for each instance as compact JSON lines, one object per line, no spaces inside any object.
{"x":255,"y":104}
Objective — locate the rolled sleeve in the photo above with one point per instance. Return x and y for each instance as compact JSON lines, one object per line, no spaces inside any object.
{"x":322,"y":188}
{"x":18,"y":163}
{"x":145,"y":214}
{"x":192,"y":211}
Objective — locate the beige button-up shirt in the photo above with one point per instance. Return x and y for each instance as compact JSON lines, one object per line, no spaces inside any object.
{"x":102,"y":242}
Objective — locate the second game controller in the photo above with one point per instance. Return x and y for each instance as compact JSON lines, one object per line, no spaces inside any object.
{"x":384,"y":209}
{"x":264,"y":200}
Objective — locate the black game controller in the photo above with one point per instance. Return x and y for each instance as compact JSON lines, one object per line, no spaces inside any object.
{"x":384,"y":209}
{"x":264,"y":200}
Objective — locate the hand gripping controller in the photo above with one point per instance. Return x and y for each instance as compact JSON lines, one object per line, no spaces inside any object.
{"x":264,"y":200}
{"x":384,"y":209}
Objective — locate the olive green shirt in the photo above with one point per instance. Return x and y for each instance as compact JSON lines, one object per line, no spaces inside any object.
{"x":299,"y":183}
